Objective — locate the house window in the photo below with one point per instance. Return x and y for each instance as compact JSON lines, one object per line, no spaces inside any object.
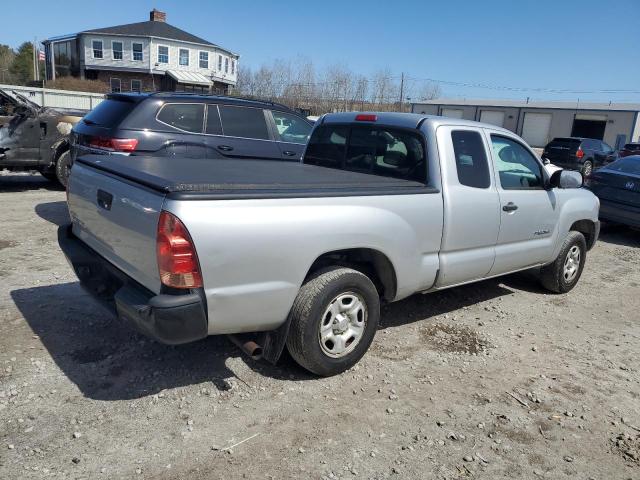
{"x":116,"y":48}
{"x":220,"y":62}
{"x":163,"y":54}
{"x":115,"y":85}
{"x":204,"y":59}
{"x":136,"y":86}
{"x":184,"y":57}
{"x":97,"y":48}
{"x":226,"y":65}
{"x":233,"y":67}
{"x":137,"y":52}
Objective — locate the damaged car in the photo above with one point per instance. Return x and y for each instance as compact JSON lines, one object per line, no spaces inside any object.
{"x":35,"y":137}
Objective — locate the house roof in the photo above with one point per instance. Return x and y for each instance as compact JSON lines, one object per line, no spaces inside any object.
{"x":524,"y":104}
{"x":152,"y":29}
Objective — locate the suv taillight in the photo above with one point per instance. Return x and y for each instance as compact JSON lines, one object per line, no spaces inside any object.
{"x":177,"y":259}
{"x":579,"y":153}
{"x":114,"y":144}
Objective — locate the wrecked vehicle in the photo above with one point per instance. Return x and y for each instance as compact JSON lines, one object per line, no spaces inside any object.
{"x":35,"y":137}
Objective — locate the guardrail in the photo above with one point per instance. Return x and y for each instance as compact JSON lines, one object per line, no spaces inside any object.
{"x":48,"y":97}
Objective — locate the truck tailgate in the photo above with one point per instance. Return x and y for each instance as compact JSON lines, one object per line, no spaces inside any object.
{"x":118,"y":219}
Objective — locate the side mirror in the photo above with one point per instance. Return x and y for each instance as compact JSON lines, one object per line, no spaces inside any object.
{"x":566,"y":179}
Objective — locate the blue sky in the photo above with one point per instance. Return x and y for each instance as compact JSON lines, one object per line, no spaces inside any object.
{"x":577,"y":45}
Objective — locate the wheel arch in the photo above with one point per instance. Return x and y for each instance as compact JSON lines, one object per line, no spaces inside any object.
{"x":589,"y":229}
{"x":371,"y":262}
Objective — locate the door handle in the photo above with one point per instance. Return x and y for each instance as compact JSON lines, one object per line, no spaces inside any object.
{"x":289,"y":153}
{"x":225,"y":148}
{"x":510,"y":207}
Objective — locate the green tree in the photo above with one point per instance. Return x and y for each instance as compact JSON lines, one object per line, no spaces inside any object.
{"x":6,"y":59}
{"x":22,"y":65}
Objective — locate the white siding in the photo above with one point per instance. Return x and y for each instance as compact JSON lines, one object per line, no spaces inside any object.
{"x":194,"y":60}
{"x":107,"y":60}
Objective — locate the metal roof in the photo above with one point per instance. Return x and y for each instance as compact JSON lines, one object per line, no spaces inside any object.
{"x":633,"y":107}
{"x":191,"y":78}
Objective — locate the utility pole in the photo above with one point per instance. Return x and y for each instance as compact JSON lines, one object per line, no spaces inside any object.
{"x":401,"y":90}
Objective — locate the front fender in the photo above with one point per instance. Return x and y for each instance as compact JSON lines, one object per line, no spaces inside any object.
{"x":576,"y":205}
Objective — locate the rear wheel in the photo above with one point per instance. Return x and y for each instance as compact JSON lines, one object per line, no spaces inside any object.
{"x":565,"y":271}
{"x":587,"y":168}
{"x":333,"y":321}
{"x":63,"y":168}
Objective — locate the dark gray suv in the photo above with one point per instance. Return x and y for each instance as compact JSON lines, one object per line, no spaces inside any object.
{"x":200,"y":126}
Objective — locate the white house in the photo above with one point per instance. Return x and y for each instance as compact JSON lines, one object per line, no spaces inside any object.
{"x":144,"y":56}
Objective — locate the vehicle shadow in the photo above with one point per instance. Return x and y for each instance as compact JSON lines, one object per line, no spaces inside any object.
{"x":108,"y":360}
{"x":619,"y":235}
{"x":54,"y":212}
{"x":24,"y":182}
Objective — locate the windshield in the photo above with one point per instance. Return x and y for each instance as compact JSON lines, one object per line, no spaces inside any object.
{"x":629,"y":165}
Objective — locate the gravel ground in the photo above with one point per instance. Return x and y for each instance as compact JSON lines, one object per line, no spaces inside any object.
{"x":492,"y":380}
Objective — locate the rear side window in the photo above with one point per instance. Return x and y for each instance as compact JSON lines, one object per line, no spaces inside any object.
{"x":183,"y":116}
{"x":629,"y":165}
{"x":375,"y":150}
{"x":471,"y":159}
{"x":214,"y":126}
{"x":244,"y":122}
{"x":109,"y":113}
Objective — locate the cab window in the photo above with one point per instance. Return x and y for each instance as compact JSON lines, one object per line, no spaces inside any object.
{"x":518,"y":169}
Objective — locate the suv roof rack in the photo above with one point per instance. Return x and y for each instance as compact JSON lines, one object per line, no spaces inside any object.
{"x":226,"y":97}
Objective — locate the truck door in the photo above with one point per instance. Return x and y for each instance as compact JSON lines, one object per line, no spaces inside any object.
{"x":471,"y":206}
{"x":528,"y":212}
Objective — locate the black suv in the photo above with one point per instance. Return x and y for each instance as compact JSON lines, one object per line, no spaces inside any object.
{"x":201,"y":126}
{"x":576,"y":153}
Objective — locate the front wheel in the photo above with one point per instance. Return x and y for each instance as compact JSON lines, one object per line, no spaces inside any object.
{"x":63,"y":168}
{"x":563,"y":274}
{"x":333,"y":321}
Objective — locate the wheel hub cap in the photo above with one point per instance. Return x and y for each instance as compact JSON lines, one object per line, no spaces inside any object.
{"x":342,"y":325}
{"x":572,"y":263}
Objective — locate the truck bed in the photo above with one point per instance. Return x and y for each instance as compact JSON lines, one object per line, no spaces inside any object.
{"x":201,"y":178}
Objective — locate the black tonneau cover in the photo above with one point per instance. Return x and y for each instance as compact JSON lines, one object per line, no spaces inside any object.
{"x":199,"y":178}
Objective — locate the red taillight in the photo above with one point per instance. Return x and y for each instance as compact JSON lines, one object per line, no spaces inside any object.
{"x":579,"y":153}
{"x":177,"y":259}
{"x":114,"y":144}
{"x":366,"y":117}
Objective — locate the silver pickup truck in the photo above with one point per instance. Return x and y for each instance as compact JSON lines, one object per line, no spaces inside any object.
{"x":302,"y":255}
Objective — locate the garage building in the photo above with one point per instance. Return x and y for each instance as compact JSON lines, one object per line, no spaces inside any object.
{"x":539,"y":122}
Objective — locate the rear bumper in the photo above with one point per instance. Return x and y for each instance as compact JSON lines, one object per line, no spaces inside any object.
{"x":619,"y":213}
{"x":170,"y":319}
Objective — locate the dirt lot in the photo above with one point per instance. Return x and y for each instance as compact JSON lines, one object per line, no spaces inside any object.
{"x":493,"y":380}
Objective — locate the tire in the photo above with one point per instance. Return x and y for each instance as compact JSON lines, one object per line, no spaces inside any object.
{"x":63,"y":168}
{"x":555,"y":277}
{"x":329,"y":332}
{"x":587,"y":168}
{"x":49,"y":175}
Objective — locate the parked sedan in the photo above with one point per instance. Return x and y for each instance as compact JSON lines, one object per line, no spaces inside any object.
{"x":630,"y":149}
{"x":577,"y":153}
{"x":618,"y":187}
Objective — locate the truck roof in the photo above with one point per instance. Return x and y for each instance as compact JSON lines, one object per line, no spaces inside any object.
{"x":403,"y":120}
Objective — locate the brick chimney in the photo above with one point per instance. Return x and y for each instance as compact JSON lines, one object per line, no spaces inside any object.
{"x":157,"y":16}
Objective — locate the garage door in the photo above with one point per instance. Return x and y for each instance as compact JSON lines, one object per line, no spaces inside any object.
{"x":535,"y":128}
{"x":451,"y":112}
{"x":493,"y":117}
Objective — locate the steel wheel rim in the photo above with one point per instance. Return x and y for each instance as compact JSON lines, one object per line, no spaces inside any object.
{"x":342,"y":325}
{"x":572,"y":263}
